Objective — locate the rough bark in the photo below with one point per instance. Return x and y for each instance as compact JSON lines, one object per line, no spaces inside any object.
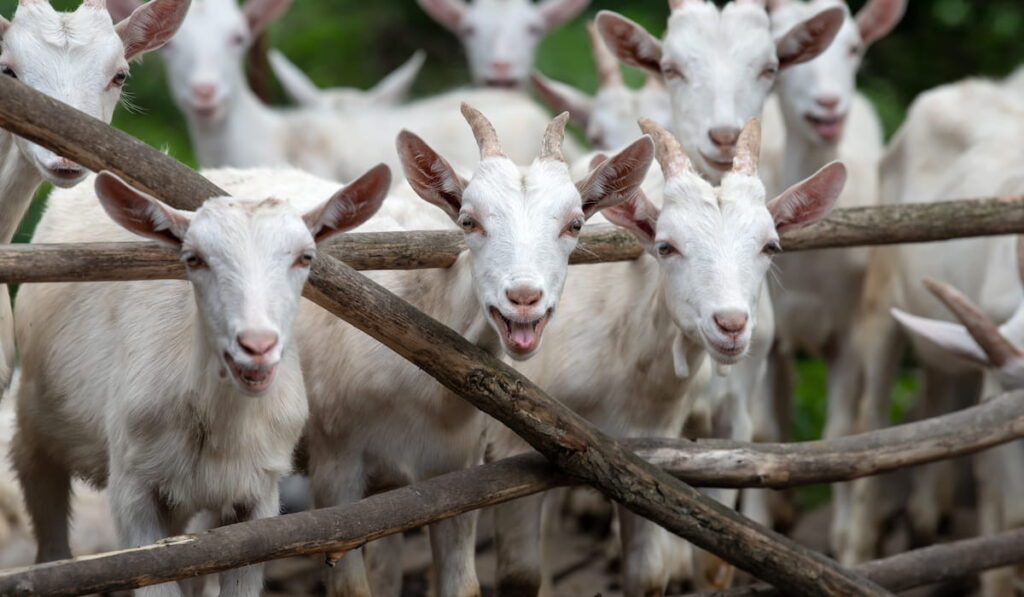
{"x":564,"y":437}
{"x":922,"y":567}
{"x":704,"y":463}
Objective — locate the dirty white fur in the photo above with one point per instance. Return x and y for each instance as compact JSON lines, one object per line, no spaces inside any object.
{"x":73,"y":57}
{"x":391,"y":425}
{"x":943,"y":151}
{"x":501,"y":36}
{"x":152,"y":407}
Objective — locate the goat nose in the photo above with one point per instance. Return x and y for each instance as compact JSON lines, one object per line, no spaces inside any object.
{"x":524,"y":296}
{"x":830,"y":102}
{"x":724,"y":136}
{"x":204,"y":91}
{"x":257,"y":342}
{"x":501,"y":67}
{"x":731,"y":322}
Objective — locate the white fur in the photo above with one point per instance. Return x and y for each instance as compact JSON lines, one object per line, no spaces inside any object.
{"x":230,"y":126}
{"x":155,"y":406}
{"x":719,"y":65}
{"x":959,"y":141}
{"x":390,"y":424}
{"x":628,"y":351}
{"x":501,"y":36}
{"x":72,"y":57}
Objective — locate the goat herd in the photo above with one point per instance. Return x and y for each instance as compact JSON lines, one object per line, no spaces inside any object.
{"x":186,"y":400}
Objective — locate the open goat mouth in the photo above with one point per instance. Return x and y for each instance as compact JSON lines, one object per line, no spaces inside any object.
{"x":829,"y":128}
{"x":520,"y":337}
{"x":502,"y":83}
{"x":253,"y":379}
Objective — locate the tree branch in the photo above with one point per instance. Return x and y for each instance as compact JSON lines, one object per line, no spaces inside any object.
{"x":703,"y":463}
{"x":564,"y":437}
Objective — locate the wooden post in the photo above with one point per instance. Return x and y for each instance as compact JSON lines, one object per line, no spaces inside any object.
{"x":565,"y":438}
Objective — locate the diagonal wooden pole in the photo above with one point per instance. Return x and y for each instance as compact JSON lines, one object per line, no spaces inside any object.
{"x":566,"y":439}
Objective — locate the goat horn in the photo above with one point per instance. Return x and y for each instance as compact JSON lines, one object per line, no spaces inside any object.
{"x":483,"y":130}
{"x":999,"y":350}
{"x":667,"y":149}
{"x":748,"y":149}
{"x":554,"y":135}
{"x":608,"y":73}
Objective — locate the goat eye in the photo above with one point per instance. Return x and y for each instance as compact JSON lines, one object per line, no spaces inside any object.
{"x":769,"y":72}
{"x":855,"y":50}
{"x":772,"y":248}
{"x":8,"y":71}
{"x":665,"y":249}
{"x":193,"y":261}
{"x":305,"y":260}
{"x":119,"y":78}
{"x":535,"y":30}
{"x":469,"y":31}
{"x":671,"y":72}
{"x":467,"y":223}
{"x":574,"y":227}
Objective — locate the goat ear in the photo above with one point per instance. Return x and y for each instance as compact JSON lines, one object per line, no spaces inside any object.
{"x":299,"y":87}
{"x":140,"y":213}
{"x":351,"y":206}
{"x":120,"y":9}
{"x":617,"y":179}
{"x":636,"y":214}
{"x":261,"y":13}
{"x":564,"y":98}
{"x":446,"y":12}
{"x":951,"y":337}
{"x":810,"y":200}
{"x":810,"y":38}
{"x":394,"y":88}
{"x":629,"y":41}
{"x":151,"y":25}
{"x":557,"y":12}
{"x":430,"y":175}
{"x":878,"y":17}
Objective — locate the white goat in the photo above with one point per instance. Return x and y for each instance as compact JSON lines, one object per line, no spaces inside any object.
{"x":81,"y":59}
{"x":230,"y":126}
{"x":392,"y":425}
{"x":943,"y":151}
{"x":501,"y":36}
{"x":390,"y":91}
{"x":719,"y":66}
{"x":818,"y":291}
{"x":609,"y":117}
{"x":694,"y":293}
{"x":998,"y":472}
{"x":180,"y":397}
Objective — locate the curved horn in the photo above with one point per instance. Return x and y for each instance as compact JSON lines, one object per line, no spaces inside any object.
{"x":608,"y":73}
{"x":554,"y":135}
{"x":999,"y":350}
{"x":748,"y":149}
{"x":483,"y":130}
{"x":667,"y":149}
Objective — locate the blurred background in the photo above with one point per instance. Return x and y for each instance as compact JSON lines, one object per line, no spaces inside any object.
{"x":355,"y":43}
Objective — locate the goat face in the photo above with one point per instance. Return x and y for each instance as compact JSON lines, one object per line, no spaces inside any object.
{"x":78,"y":58}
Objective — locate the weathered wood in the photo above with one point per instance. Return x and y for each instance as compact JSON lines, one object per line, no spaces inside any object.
{"x":703,"y":463}
{"x":565,"y":438}
{"x":922,"y":567}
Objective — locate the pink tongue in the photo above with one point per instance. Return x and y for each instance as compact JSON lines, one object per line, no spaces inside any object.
{"x":522,"y":335}
{"x":830,"y":130}
{"x":257,"y":374}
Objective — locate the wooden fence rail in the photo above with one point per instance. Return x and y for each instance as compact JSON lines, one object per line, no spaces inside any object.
{"x":566,"y":439}
{"x":97,"y":262}
{"x":711,"y":463}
